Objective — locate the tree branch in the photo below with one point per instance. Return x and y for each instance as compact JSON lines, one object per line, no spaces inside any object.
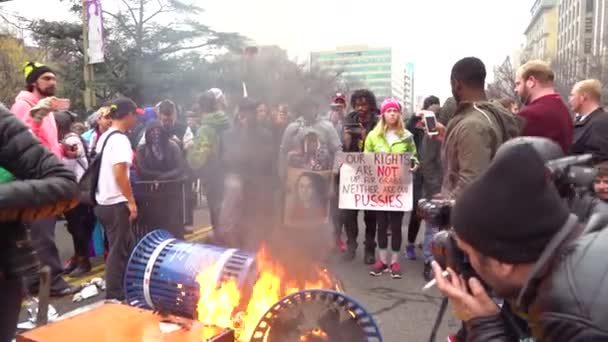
{"x":131,"y":11}
{"x":121,"y":22}
{"x":161,"y":9}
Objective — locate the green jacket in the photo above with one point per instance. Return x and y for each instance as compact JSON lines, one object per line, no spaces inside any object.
{"x":207,"y":140}
{"x":376,"y":142}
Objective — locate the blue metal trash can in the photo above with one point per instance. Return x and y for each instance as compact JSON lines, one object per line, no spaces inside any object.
{"x":161,"y":272}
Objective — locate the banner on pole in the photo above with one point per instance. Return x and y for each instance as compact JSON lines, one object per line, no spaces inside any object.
{"x":95,"y":31}
{"x":376,"y":181}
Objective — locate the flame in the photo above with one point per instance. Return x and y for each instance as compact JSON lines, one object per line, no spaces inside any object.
{"x":219,"y":305}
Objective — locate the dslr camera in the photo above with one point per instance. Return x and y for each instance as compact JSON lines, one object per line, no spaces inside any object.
{"x":435,"y":211}
{"x":573,"y":177}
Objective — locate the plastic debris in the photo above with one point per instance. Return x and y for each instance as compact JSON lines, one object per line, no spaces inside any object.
{"x":32,"y":311}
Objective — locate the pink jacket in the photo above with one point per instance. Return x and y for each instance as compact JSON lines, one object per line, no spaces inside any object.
{"x":45,"y":131}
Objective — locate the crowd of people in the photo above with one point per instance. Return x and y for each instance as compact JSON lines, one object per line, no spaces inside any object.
{"x":143,"y":159}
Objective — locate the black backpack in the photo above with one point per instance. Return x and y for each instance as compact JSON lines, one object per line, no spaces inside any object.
{"x":88,"y":182}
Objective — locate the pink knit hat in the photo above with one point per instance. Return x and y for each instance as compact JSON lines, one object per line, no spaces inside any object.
{"x":389,"y":103}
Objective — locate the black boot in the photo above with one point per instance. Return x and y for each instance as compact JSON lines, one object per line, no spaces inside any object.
{"x":370,"y":256}
{"x":350,"y":253}
{"x":84,"y":267}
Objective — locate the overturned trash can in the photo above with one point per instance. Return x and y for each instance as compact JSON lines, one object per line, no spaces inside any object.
{"x":161,"y":272}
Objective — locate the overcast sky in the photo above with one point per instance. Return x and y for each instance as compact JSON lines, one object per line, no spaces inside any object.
{"x":432,"y":33}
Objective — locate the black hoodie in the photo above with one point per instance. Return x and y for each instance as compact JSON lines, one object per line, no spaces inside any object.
{"x":171,"y":167}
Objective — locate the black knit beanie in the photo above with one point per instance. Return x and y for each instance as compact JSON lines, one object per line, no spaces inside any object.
{"x":34,"y":70}
{"x":512,"y":210}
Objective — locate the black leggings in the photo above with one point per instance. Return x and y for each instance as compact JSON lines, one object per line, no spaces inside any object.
{"x":389,"y":220}
{"x":81,"y":222}
{"x":413,"y":228}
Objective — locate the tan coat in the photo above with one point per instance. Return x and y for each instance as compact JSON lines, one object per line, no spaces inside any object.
{"x":472,"y":138}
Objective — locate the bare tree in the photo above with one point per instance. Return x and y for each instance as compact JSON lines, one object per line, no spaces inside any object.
{"x":503,"y":86}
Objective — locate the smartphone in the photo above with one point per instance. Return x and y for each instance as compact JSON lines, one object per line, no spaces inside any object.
{"x":431,"y":123}
{"x":60,"y":104}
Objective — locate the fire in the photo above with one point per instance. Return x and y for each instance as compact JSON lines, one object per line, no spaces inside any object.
{"x":221,"y":305}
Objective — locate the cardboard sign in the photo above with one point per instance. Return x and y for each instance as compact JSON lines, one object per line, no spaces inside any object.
{"x":376,"y":181}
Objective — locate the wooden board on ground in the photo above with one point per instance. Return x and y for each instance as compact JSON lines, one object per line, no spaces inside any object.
{"x":122,"y":323}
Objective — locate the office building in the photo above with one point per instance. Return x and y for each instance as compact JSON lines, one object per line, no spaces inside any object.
{"x":408,"y":88}
{"x":378,"y":69}
{"x":541,"y":33}
{"x":582,"y":38}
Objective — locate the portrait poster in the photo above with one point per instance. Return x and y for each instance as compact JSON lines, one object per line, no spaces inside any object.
{"x":95,"y":50}
{"x":375,"y":181}
{"x":306,"y":201}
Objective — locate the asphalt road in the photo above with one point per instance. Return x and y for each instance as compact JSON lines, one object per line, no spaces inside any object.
{"x":403,"y":312}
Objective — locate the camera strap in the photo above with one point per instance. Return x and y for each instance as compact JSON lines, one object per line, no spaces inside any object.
{"x":569,"y":231}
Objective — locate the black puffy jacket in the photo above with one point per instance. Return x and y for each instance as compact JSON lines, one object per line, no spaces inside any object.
{"x":43,"y":187}
{"x":567,"y":300}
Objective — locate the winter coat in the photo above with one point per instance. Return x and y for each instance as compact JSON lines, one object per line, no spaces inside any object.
{"x":567,"y":299}
{"x":376,"y":142}
{"x":472,"y":138}
{"x":44,"y":187}
{"x":591,"y":136}
{"x":430,"y":153}
{"x":171,"y":167}
{"x":46,"y":131}
{"x":205,"y":155}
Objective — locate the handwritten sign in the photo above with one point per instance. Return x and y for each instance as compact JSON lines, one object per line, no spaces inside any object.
{"x":376,"y":181}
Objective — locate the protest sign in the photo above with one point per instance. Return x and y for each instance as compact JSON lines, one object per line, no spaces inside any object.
{"x":307,"y":197}
{"x":376,"y":181}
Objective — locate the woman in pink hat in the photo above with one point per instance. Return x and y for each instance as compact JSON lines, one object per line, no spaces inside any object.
{"x":390,"y":136}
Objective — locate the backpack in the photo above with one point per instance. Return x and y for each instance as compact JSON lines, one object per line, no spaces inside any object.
{"x":88,"y":183}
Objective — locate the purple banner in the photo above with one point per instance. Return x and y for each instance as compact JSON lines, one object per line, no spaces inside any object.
{"x":95,"y":50}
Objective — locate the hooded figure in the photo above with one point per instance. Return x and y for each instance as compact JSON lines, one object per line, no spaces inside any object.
{"x":159,"y":158}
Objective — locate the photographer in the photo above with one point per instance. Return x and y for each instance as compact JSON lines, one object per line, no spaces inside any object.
{"x":44,"y":188}
{"x":533,"y":253}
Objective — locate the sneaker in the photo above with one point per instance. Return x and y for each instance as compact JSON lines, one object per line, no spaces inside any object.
{"x":410,"y":252}
{"x":396,"y":271}
{"x":427,"y":273}
{"x":378,"y":268}
{"x":340,"y":245}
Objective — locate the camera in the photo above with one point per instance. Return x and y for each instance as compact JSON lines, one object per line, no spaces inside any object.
{"x":435,"y":211}
{"x":447,"y":254}
{"x":572,"y":174}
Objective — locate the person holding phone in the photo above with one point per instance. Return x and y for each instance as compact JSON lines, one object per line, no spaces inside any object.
{"x":35,"y":106}
{"x":390,"y":136}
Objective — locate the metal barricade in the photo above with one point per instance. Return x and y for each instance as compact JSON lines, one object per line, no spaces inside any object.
{"x":161,"y":205}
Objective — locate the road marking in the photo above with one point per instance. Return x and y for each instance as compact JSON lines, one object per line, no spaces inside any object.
{"x":199,"y":235}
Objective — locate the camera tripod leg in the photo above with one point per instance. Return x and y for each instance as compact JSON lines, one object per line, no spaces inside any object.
{"x":439,"y":319}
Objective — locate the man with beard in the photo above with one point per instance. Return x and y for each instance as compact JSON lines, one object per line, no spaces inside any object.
{"x":547,"y":265}
{"x":545,"y":112}
{"x":35,"y":108}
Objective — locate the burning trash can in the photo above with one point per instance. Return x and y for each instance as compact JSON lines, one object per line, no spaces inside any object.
{"x":161,"y":272}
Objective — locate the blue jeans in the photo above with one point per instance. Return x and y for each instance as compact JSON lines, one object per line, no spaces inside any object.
{"x":429,"y":232}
